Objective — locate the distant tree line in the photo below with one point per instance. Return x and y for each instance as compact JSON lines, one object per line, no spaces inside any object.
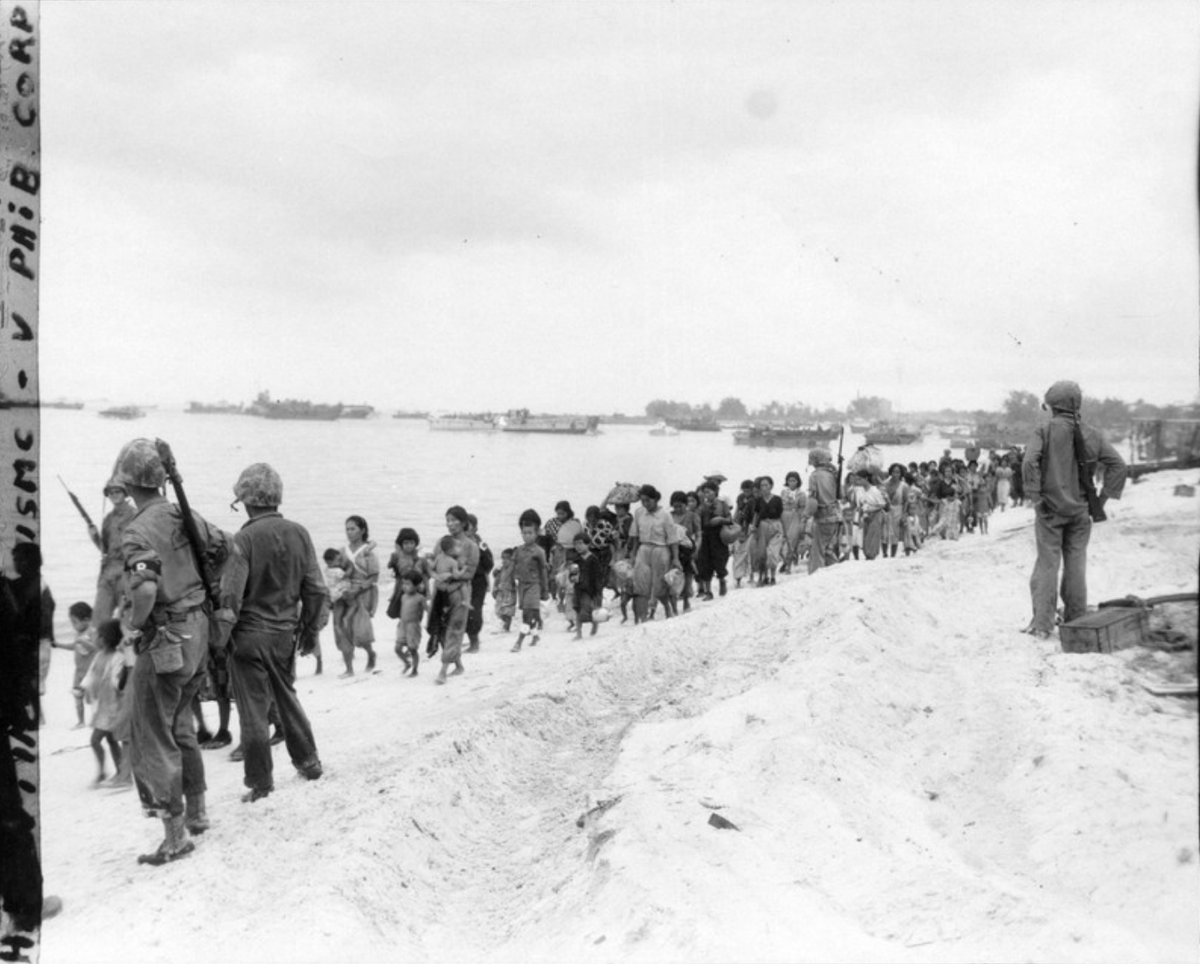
{"x":733,"y":409}
{"x":1019,"y":414}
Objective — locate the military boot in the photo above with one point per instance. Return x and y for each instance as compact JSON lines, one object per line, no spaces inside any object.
{"x":196,"y":819}
{"x":176,"y":843}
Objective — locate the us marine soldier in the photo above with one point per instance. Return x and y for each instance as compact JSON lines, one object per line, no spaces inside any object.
{"x":823,"y":508}
{"x":1060,"y":455}
{"x":167,"y":620}
{"x":108,"y":540}
{"x":278,"y":602}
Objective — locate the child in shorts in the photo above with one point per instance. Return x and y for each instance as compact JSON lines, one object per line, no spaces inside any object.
{"x":589,"y":585}
{"x":532,"y":574}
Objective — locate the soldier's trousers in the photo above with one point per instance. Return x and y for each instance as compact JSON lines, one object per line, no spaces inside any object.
{"x":824,"y":547}
{"x":264,"y":671}
{"x":164,"y":755}
{"x":1060,"y":540}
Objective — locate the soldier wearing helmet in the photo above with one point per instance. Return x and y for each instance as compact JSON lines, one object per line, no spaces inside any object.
{"x":279,"y":602}
{"x":1052,"y":474}
{"x":108,"y":540}
{"x":166,"y":617}
{"x":822,"y":508}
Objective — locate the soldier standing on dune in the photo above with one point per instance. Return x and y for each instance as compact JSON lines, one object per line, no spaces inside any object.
{"x":1060,"y":463}
{"x":279,"y":603}
{"x":167,"y":621}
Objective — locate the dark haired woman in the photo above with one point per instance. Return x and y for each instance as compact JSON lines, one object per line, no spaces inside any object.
{"x":794,"y":502}
{"x":766,"y":528}
{"x":352,"y":613}
{"x":454,"y":595}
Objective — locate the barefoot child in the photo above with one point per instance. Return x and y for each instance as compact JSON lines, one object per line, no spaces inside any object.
{"x":412,"y":610}
{"x":505,"y":590}
{"x":589,"y":585}
{"x":101,"y":685}
{"x":532,"y":574}
{"x":85,"y":649}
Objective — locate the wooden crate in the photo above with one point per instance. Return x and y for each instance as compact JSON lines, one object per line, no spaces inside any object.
{"x":1104,"y":631}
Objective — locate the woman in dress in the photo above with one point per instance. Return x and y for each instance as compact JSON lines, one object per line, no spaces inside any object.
{"x":767,"y":531}
{"x":794,"y":502}
{"x":896,"y":490}
{"x":352,"y":613}
{"x":1004,"y":476}
{"x":454,"y":595}
{"x":654,"y":542}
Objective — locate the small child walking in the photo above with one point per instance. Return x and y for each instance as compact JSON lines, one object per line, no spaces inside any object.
{"x":412,"y":611}
{"x":532,"y":574}
{"x":102,"y":686}
{"x":505,"y":590}
{"x":85,"y":648}
{"x":589,"y":586}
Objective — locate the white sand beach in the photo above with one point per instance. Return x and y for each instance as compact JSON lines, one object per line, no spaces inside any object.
{"x":909,"y":777}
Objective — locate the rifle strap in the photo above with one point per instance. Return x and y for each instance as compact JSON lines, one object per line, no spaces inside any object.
{"x":1086,"y":482}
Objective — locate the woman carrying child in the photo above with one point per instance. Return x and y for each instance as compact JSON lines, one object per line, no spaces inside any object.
{"x":352,"y":613}
{"x":456,"y":585}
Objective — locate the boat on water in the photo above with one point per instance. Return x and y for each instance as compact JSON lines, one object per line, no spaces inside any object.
{"x":694,"y":425}
{"x":462,"y":422}
{"x":62,"y":403}
{"x":122,"y":411}
{"x":216,"y":408}
{"x":357,"y":411}
{"x":664,"y":428}
{"x":786,"y":437}
{"x":404,"y":413}
{"x":292,"y":409}
{"x":860,"y":428}
{"x":884,"y":433}
{"x":520,"y":420}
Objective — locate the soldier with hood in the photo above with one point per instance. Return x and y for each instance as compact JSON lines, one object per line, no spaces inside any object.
{"x":279,"y":603}
{"x":1061,"y":454}
{"x":166,"y":619}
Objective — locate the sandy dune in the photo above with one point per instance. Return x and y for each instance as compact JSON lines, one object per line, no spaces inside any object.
{"x":909,"y":777}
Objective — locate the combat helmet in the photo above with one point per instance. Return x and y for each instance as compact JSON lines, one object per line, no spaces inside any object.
{"x":259,"y":485}
{"x":138,"y":464}
{"x":1064,"y":396}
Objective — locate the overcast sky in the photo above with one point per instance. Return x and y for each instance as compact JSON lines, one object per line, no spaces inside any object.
{"x":585,"y":206}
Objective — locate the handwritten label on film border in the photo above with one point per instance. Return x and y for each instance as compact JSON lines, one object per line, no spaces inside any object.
{"x":20,"y":227}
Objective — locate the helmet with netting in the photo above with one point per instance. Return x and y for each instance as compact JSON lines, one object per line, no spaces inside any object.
{"x":259,"y":485}
{"x":139,"y":465}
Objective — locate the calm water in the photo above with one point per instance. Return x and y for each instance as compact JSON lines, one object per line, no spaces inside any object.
{"x":393,"y":472}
